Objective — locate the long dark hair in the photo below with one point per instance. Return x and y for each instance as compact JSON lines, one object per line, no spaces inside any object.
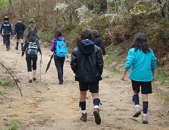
{"x":31,"y":36}
{"x":58,"y":33}
{"x":140,"y":41}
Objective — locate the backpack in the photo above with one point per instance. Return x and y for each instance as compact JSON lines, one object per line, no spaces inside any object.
{"x":32,"y":48}
{"x":32,"y":27}
{"x":61,"y":48}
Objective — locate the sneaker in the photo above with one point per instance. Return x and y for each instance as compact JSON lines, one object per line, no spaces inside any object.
{"x":144,"y":120}
{"x":34,"y":79}
{"x":137,"y":113}
{"x":30,"y":81}
{"x":16,"y":48}
{"x":83,"y":117}
{"x":97,"y":116}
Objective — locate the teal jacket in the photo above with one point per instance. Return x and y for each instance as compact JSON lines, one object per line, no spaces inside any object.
{"x":141,"y":65}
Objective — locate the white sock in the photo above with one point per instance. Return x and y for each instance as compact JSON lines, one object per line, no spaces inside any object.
{"x":84,"y":112}
{"x":137,"y":106}
{"x":144,"y":114}
{"x":96,"y":106}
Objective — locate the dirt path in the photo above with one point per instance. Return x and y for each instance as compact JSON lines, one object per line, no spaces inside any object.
{"x":46,"y":105}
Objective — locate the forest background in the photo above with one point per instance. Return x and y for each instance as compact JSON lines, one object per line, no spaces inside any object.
{"x":116,"y":20}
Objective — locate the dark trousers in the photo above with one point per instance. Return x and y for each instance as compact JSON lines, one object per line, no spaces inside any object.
{"x":31,"y":62}
{"x":6,"y":39}
{"x":59,"y":62}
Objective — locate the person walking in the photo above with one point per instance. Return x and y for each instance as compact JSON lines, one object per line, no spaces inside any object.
{"x":142,"y":62}
{"x":98,"y":41}
{"x":59,"y":61}
{"x":31,"y":47}
{"x":19,"y":33}
{"x":87,"y":65}
{"x":6,"y":31}
{"x":33,"y":27}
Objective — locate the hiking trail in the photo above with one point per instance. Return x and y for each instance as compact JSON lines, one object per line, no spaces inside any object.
{"x":46,"y":105}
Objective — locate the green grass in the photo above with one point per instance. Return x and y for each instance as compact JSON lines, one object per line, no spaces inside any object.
{"x":13,"y":115}
{"x":7,"y":82}
{"x":1,"y":101}
{"x":1,"y":92}
{"x":9,"y":106}
{"x":162,"y":76}
{"x":14,"y":125}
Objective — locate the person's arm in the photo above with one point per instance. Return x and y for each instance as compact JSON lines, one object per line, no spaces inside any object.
{"x":53,"y":46}
{"x":1,"y":30}
{"x":36,"y":30}
{"x":73,"y":62}
{"x":24,"y":27}
{"x":24,"y":47}
{"x":39,"y":49}
{"x":99,"y":61}
{"x":124,"y":74}
{"x":102,"y":47}
{"x":129,"y":61}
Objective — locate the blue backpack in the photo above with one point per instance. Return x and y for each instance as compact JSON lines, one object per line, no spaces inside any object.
{"x":61,"y":48}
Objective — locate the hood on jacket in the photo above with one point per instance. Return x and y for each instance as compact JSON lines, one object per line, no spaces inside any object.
{"x":86,"y":47}
{"x":61,"y":38}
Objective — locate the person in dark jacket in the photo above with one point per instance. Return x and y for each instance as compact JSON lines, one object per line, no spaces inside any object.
{"x":59,"y":61}
{"x":33,"y":27}
{"x":98,"y":41}
{"x":31,"y":47}
{"x":87,"y":64}
{"x":19,"y":33}
{"x":6,"y":31}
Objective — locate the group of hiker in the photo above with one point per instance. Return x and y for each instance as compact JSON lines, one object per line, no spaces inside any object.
{"x":87,"y":62}
{"x":31,"y":45}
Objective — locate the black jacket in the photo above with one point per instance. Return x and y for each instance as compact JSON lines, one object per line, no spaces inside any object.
{"x":87,"y":62}
{"x":98,"y":41}
{"x":19,"y":28}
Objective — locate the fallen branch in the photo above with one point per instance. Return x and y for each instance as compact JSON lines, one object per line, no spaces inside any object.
{"x":14,"y":77}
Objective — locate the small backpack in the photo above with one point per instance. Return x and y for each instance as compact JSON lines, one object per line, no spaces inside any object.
{"x":61,"y":48}
{"x":32,"y":27}
{"x":32,"y":48}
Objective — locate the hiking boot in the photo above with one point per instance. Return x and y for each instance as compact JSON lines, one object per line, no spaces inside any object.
{"x":144,"y":120}
{"x":137,"y":112}
{"x":83,"y":117}
{"x":97,"y":116}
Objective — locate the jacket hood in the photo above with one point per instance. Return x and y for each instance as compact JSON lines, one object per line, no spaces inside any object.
{"x":61,"y":38}
{"x":86,"y":47}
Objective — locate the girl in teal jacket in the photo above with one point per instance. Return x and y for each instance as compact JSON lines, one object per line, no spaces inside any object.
{"x":142,"y":62}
